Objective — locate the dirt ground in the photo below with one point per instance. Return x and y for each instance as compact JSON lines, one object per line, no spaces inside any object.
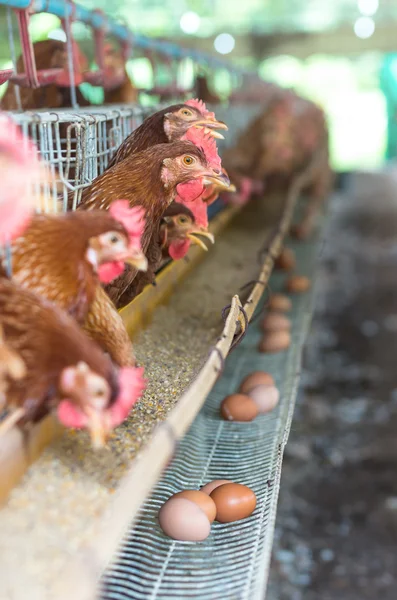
{"x":336,"y":532}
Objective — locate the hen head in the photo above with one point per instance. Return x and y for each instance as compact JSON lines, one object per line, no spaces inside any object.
{"x":179,"y":229}
{"x":110,"y":251}
{"x":90,"y":406}
{"x":193,"y":113}
{"x":190,"y":191}
{"x":186,"y":163}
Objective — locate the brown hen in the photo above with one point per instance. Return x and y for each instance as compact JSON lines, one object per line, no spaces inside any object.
{"x":58,"y":257}
{"x":64,"y":368}
{"x":49,"y":54}
{"x":149,"y":178}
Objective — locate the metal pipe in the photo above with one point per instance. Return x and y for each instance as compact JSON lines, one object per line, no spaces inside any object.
{"x":63,"y":10}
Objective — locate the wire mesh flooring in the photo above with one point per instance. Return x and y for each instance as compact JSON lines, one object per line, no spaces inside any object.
{"x":233,"y":562}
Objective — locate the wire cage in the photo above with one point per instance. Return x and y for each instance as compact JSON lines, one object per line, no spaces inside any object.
{"x":76,"y":146}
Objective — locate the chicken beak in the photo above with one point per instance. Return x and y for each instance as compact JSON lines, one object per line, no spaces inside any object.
{"x":232,"y":188}
{"x":221,"y":180}
{"x":210,"y":125}
{"x":194,"y":237}
{"x":138,"y":262}
{"x":97,"y":429}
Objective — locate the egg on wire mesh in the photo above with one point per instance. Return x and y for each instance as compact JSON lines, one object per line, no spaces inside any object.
{"x":233,"y":502}
{"x":238,"y":407}
{"x":275,"y":341}
{"x":286,"y":260}
{"x":298,"y":284}
{"x":202,"y":500}
{"x":182,"y":519}
{"x":279,"y":303}
{"x":274,"y":321}
{"x":254,"y":379}
{"x":266,"y":397}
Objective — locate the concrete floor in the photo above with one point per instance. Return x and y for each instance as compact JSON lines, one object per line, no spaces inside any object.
{"x":336,"y":532}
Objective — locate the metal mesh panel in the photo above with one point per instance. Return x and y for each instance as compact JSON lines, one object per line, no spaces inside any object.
{"x":77,"y":145}
{"x":233,"y":561}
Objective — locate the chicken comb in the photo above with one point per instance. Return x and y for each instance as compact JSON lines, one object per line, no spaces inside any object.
{"x":133,"y":219}
{"x":17,"y":202}
{"x":201,"y":107}
{"x":206,"y":143}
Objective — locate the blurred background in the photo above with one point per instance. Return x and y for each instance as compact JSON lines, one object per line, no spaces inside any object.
{"x":340,"y":54}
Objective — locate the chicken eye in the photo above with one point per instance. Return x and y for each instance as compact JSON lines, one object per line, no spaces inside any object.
{"x":186,"y":112}
{"x":188,"y":160}
{"x":114,"y":239}
{"x":182,"y":220}
{"x":100,"y":392}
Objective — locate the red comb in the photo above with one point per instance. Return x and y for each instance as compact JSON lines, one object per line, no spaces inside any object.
{"x":206,"y":143}
{"x":16,"y":201}
{"x":200,"y":106}
{"x":133,"y":219}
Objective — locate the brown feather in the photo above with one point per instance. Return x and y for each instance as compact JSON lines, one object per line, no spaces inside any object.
{"x":150,"y":133}
{"x":50,"y":258}
{"x":104,"y":325}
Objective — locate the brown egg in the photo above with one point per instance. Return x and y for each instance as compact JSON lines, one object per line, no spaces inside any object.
{"x":275,"y":341}
{"x":254,"y":379}
{"x":211,"y":485}
{"x":200,"y":498}
{"x":233,"y":502}
{"x":297,"y":284}
{"x":266,"y":397}
{"x":238,"y":407}
{"x":280,"y":303}
{"x":299,"y":232}
{"x":275,"y":322}
{"x":286,"y":260}
{"x":182,"y":519}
